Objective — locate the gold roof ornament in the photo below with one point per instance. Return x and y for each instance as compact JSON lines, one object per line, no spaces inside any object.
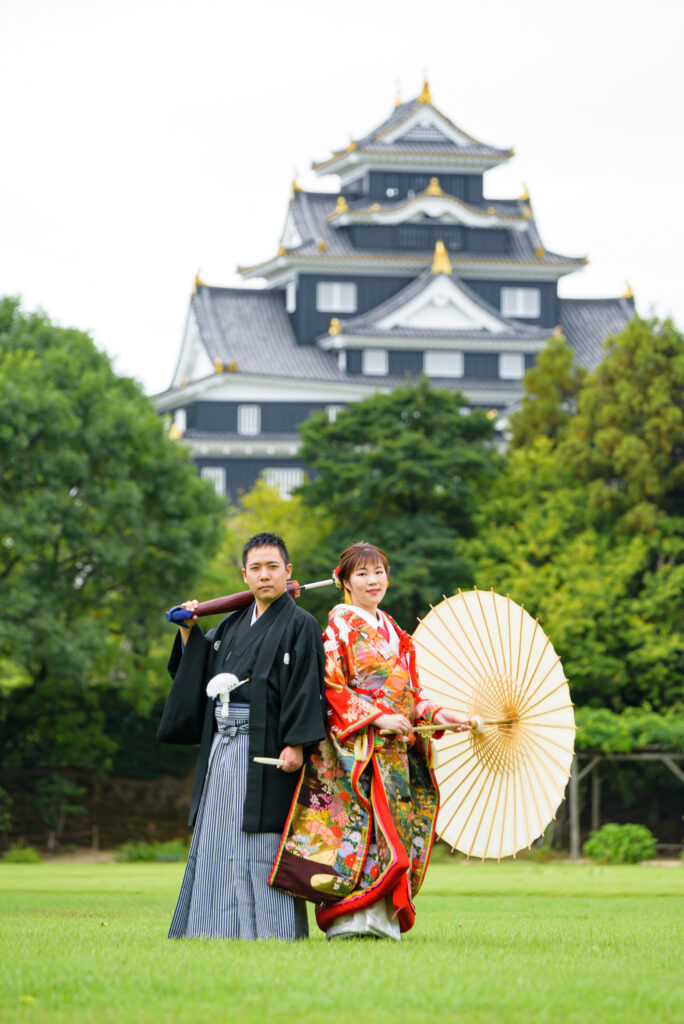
{"x":335,"y":326}
{"x":629,"y":294}
{"x":218,"y":365}
{"x":441,"y":264}
{"x":527,"y":212}
{"x":352,"y":145}
{"x":232,"y":367}
{"x":540,"y":252}
{"x":525,"y":196}
{"x":425,"y":96}
{"x":294,"y":188}
{"x":322,"y":245}
{"x":491,"y":210}
{"x":282,"y":251}
{"x":375,"y":208}
{"x":183,"y":383}
{"x":492,"y":414}
{"x":397,"y":98}
{"x":199,"y":283}
{"x":558,"y":331}
{"x":175,"y":433}
{"x":341,"y":205}
{"x":434,"y":188}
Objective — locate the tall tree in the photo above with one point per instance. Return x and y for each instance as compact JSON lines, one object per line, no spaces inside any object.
{"x":589,"y":531}
{"x":404,"y":471}
{"x":550,"y":394}
{"x":102,"y":518}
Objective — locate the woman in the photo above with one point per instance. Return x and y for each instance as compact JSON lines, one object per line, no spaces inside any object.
{"x":359,"y":834}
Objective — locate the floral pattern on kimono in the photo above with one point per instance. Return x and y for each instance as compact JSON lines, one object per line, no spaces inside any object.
{"x":361,"y":825}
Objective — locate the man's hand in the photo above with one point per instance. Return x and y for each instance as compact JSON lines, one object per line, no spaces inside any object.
{"x":185,"y":630}
{"x":292,"y":758}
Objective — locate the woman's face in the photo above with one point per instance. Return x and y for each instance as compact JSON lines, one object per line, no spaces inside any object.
{"x":367,"y":585}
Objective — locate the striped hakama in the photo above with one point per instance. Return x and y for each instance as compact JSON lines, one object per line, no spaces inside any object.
{"x":225,"y":892}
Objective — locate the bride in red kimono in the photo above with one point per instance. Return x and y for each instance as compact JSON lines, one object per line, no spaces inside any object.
{"x":358,"y":837}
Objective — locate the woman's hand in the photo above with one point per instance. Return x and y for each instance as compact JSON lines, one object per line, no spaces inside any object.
{"x":398,"y":724}
{"x":446,"y":717}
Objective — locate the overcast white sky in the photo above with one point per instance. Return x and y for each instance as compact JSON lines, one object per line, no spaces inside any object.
{"x":143,"y":140}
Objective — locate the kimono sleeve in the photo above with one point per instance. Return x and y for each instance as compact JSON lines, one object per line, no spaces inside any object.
{"x":302,"y":713}
{"x":183,"y":714}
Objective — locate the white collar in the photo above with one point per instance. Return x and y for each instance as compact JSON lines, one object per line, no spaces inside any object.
{"x":376,"y":621}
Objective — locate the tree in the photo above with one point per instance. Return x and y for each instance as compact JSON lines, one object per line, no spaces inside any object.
{"x":54,"y":799}
{"x":404,"y":471}
{"x":588,"y":531}
{"x":260,"y":510}
{"x":102,"y":521}
{"x":550,"y":395}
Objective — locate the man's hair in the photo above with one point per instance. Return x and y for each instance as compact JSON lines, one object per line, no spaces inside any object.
{"x":265,"y":540}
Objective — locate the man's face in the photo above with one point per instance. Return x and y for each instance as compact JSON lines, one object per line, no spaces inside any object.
{"x":266,"y":574}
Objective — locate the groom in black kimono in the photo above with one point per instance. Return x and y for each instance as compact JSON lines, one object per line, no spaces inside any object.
{"x":278,"y":648}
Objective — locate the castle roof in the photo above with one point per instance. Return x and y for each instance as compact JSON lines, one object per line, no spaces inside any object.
{"x":312,"y":236}
{"x":410,"y":314}
{"x":415,"y":134}
{"x":250,"y":329}
{"x":586,"y":323}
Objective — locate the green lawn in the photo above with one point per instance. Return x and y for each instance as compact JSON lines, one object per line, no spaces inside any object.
{"x":507,"y":943}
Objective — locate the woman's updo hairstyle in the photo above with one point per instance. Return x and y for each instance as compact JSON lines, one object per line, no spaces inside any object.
{"x":355,"y":556}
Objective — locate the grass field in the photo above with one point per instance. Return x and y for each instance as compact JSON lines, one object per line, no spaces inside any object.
{"x":513,"y":942}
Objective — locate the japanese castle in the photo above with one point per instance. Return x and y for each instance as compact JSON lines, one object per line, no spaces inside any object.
{"x":407,"y":269}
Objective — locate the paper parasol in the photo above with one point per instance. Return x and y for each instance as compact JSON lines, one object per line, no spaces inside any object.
{"x":483,"y":655}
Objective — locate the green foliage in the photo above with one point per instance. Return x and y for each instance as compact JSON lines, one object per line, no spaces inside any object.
{"x":261,"y":510}
{"x":160,"y":853}
{"x":102,"y":519}
{"x":21,"y":853}
{"x":404,"y":471}
{"x":550,"y":390}
{"x":620,"y":844}
{"x":600,"y":729}
{"x":54,"y":798}
{"x":5,"y":815}
{"x":586,"y":529}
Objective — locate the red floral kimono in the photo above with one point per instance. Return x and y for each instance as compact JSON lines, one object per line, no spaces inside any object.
{"x":362,"y":821}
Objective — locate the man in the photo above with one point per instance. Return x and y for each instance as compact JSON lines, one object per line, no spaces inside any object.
{"x":239,"y":806}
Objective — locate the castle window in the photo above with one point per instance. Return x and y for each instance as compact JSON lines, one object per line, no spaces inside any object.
{"x":284,"y":479}
{"x":375,"y":362}
{"x":511,"y":365}
{"x":180,"y":419}
{"x":217,"y":476}
{"x":291,"y":296}
{"x":249,"y":419}
{"x":521,"y":302}
{"x":443,"y":364}
{"x":333,"y":411}
{"x":336,"y":297}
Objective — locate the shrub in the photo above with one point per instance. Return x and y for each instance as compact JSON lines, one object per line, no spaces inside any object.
{"x":173,"y":850}
{"x":620,"y":844}
{"x":20,"y":853}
